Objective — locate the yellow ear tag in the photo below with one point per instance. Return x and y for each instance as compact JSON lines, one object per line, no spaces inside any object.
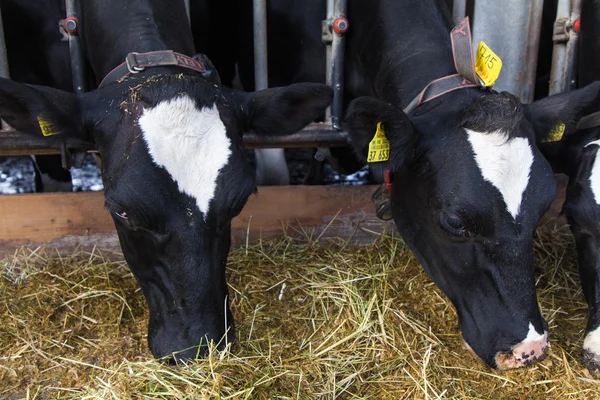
{"x":47,"y":127}
{"x":379,"y":148}
{"x":487,"y":65}
{"x":556,"y":134}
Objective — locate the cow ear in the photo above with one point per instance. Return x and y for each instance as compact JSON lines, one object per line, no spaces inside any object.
{"x":555,"y":120}
{"x":361,"y":121}
{"x":285,"y":110}
{"x":39,"y":110}
{"x":556,"y":117}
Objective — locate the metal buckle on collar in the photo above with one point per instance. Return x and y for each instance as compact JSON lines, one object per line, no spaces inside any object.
{"x":132,"y":63}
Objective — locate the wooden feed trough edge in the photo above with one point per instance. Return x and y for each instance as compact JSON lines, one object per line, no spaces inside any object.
{"x":69,"y":220}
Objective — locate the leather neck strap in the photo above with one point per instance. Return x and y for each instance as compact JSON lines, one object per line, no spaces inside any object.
{"x":138,"y":62}
{"x":466,"y":77}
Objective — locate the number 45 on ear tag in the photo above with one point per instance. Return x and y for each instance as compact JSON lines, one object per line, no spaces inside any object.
{"x":487,"y":65}
{"x":379,"y":148}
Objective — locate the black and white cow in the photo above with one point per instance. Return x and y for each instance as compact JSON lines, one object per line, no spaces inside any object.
{"x":469,"y":184}
{"x":577,"y":156}
{"x":38,"y":53}
{"x":173,"y":163}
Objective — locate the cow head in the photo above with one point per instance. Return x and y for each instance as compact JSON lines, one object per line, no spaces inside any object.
{"x":469,"y":188}
{"x":175,"y":174}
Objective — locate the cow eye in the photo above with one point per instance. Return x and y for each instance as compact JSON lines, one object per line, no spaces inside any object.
{"x":122,"y":215}
{"x":453,"y":224}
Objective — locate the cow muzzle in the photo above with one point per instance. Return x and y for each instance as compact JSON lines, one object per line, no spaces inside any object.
{"x":529,"y":351}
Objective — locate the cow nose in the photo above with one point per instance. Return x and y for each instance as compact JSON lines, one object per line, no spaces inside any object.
{"x":529,"y":351}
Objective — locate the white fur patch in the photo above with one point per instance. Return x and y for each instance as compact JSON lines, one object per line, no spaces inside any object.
{"x":595,"y":174}
{"x":190,"y":143}
{"x":591,"y":342}
{"x":506,"y":164}
{"x":533,"y":335}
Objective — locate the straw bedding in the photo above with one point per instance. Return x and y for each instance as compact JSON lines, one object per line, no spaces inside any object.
{"x":315,"y":319}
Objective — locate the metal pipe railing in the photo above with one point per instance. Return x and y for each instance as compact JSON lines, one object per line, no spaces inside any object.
{"x":459,"y":11}
{"x":338,"y":45}
{"x":14,"y":143}
{"x":75,"y":48}
{"x":532,"y":45}
{"x":4,"y":71}
{"x":563,"y":55}
{"x":261,"y":68}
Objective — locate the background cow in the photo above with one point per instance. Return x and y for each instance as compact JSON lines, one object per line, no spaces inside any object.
{"x":577,"y":156}
{"x":38,"y":53}
{"x":173,"y":164}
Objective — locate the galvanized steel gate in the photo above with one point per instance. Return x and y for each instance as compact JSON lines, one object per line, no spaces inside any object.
{"x":324,"y":135}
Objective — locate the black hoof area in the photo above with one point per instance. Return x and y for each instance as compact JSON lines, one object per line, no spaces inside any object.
{"x":591,"y":361}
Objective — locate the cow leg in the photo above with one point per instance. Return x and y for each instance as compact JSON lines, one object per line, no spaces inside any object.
{"x":589,"y":271}
{"x":50,"y":176}
{"x":271,"y":167}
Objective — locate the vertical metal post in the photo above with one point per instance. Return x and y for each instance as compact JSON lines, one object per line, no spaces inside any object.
{"x":270,"y":163}
{"x":75,"y":48}
{"x":261,"y":71}
{"x":532,"y":46}
{"x":512,"y":29}
{"x":4,"y":71}
{"x":187,"y":9}
{"x":559,"y":54}
{"x":459,"y":10}
{"x":572,"y":47}
{"x":328,"y":40}
{"x":337,"y":70}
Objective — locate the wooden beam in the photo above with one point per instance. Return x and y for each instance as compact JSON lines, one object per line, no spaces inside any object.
{"x":68,"y":220}
{"x":72,"y":219}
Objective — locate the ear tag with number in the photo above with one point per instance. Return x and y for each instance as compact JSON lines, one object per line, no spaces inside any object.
{"x":487,"y":65}
{"x":556,"y":133}
{"x":379,"y":148}
{"x":47,"y":127}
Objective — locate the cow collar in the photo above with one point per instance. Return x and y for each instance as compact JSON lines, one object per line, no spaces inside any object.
{"x":462,"y":51}
{"x":466,"y":77}
{"x":137,"y":62}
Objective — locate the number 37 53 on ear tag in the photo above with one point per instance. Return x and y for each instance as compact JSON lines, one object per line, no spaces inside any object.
{"x":379,"y":148}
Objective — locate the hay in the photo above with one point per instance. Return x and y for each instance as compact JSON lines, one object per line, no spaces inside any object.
{"x":314,"y":320}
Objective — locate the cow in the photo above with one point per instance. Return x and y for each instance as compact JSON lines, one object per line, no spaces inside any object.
{"x":173,"y":163}
{"x":44,"y":60}
{"x":468,"y":182}
{"x":577,"y":156}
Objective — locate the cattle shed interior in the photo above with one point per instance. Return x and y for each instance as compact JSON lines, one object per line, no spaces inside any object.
{"x":329,"y":301}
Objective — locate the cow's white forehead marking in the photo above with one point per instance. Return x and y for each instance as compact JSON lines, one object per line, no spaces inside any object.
{"x":505,"y":163}
{"x":595,"y":176}
{"x":190,"y":143}
{"x":591,"y":342}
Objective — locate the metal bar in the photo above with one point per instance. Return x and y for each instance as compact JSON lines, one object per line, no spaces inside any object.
{"x":532,"y":45}
{"x":570,"y":80}
{"x":328,"y":53}
{"x":4,"y":71}
{"x":76,"y":51}
{"x":506,"y":26}
{"x":459,"y":10}
{"x":559,"y":54}
{"x":337,"y":71}
{"x":261,"y":70}
{"x":187,"y":10}
{"x":314,"y":135}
